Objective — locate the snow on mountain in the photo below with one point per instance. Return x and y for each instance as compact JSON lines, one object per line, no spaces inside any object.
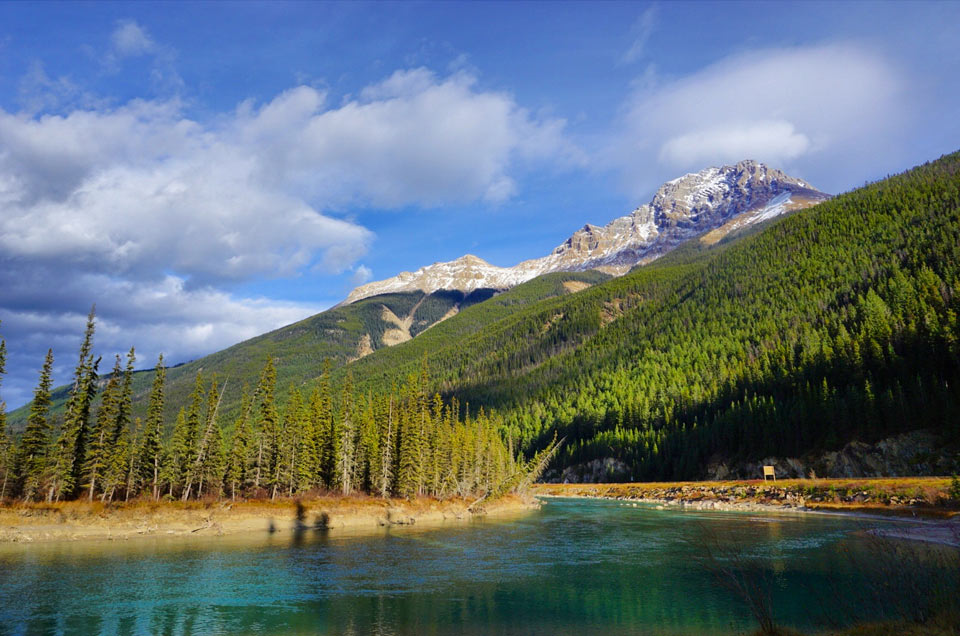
{"x":710,"y":204}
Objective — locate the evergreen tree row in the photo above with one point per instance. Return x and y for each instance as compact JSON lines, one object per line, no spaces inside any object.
{"x":403,"y":442}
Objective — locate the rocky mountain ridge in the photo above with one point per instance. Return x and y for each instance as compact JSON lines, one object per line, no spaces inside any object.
{"x":708,"y":204}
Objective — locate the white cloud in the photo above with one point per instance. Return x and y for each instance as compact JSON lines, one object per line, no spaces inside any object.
{"x":164,"y":316}
{"x":775,"y":140}
{"x":150,"y":214}
{"x":793,"y":108}
{"x":361,"y":275}
{"x":641,"y":32}
{"x":130,"y":39}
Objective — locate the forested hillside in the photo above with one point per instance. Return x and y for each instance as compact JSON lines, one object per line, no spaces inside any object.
{"x":837,"y":323}
{"x":339,"y":334}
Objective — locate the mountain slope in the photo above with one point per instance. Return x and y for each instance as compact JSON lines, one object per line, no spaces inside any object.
{"x":715,"y":200}
{"x":834,"y":324}
{"x":341,"y":334}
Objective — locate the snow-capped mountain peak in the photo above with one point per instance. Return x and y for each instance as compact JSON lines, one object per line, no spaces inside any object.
{"x":709,"y":204}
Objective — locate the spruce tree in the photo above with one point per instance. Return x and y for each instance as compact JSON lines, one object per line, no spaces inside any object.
{"x":239,"y":457}
{"x":35,"y":444}
{"x":291,"y":433}
{"x":326,"y":441}
{"x":99,"y":449}
{"x":118,"y":440}
{"x":387,"y":442}
{"x":175,"y":454}
{"x":151,"y":451}
{"x":268,"y":452}
{"x":347,"y":431}
{"x":305,"y":468}
{"x":6,"y":447}
{"x":205,"y":454}
{"x":408,"y":466}
{"x":71,"y":446}
{"x":267,"y":425}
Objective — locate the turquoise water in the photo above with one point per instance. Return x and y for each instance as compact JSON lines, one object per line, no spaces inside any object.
{"x":576,"y":567}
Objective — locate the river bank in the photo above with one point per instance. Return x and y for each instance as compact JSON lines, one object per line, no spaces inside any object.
{"x":927,"y":499}
{"x":73,"y":521}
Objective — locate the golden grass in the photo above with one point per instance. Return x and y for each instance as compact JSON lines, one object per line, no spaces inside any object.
{"x":931,"y":494}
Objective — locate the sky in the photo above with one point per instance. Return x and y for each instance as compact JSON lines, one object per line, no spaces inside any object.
{"x":208,"y":172}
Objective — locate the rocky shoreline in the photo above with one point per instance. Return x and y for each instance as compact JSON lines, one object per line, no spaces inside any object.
{"x":925,"y":495}
{"x":927,"y":499}
{"x":75,"y":521}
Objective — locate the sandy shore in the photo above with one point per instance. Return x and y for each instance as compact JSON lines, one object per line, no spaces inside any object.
{"x":75,"y":521}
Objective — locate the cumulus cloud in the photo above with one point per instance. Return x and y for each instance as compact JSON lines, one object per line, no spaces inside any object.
{"x":790,"y":107}
{"x":128,"y":204}
{"x":163,"y":316}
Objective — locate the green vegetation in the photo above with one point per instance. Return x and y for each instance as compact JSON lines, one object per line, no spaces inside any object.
{"x":300,"y":349}
{"x":834,"y":324}
{"x":402,"y":442}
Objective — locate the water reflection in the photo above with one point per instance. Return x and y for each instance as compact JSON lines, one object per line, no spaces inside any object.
{"x":576,"y":567}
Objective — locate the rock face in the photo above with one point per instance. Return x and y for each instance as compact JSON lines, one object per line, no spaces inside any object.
{"x":710,"y":203}
{"x":918,"y":453}
{"x":466,"y":274}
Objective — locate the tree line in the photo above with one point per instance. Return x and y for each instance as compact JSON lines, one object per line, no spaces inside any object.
{"x":402,"y":442}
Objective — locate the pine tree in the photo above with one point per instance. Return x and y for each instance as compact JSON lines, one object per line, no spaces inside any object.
{"x":6,"y":447}
{"x":118,"y":440}
{"x":294,"y":471}
{"x":205,"y":453}
{"x":35,"y":444}
{"x":388,"y":434}
{"x":151,"y":450}
{"x":72,"y":444}
{"x":326,"y":442}
{"x":369,"y":446}
{"x":409,"y":467}
{"x":99,"y":449}
{"x":175,"y":455}
{"x":239,"y":457}
{"x":346,"y":457}
{"x":268,"y":451}
{"x":134,"y":482}
{"x":305,"y":470}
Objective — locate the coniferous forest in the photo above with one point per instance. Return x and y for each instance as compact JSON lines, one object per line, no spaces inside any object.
{"x":402,"y":443}
{"x":834,"y":324}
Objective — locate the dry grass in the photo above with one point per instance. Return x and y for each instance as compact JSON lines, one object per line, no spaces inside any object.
{"x":870,"y":495}
{"x":20,"y":522}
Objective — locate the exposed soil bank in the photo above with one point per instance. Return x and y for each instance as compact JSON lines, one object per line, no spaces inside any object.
{"x":927,"y":498}
{"x":355,"y":515}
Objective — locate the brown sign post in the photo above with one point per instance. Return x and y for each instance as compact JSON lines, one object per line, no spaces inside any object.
{"x":769,"y":472}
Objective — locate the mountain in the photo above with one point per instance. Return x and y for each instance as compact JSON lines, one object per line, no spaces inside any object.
{"x":715,"y":201}
{"x":793,"y":336}
{"x":837,"y":324}
{"x":341,"y":335}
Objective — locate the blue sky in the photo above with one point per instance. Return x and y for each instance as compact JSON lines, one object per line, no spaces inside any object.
{"x":207,"y":172}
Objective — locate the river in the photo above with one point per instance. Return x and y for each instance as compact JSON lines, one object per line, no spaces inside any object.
{"x":577,"y":567}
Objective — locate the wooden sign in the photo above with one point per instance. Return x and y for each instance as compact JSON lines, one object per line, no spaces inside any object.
{"x":769,"y":472}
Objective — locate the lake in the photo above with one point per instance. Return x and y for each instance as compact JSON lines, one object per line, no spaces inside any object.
{"x":577,"y":567}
